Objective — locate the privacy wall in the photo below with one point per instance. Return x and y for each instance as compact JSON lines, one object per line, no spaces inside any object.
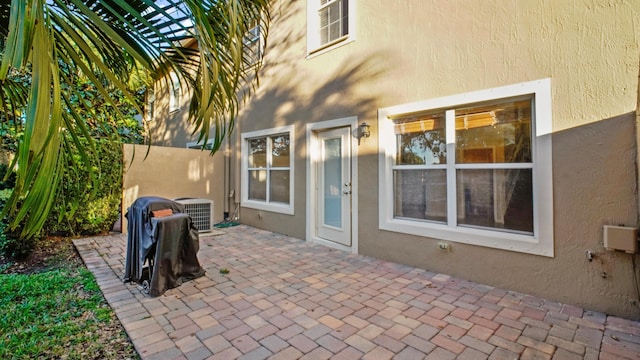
{"x":172,"y":173}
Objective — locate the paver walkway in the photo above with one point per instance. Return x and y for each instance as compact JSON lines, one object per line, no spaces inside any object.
{"x":286,"y":299}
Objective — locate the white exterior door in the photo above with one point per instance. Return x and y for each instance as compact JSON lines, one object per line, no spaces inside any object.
{"x":333,"y":186}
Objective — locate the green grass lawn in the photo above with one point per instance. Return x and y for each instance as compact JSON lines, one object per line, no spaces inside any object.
{"x":58,"y":313}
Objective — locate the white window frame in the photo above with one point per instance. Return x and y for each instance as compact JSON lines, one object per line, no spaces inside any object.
{"x":251,"y":40}
{"x":174,"y":92}
{"x":314,"y":46}
{"x":266,"y":205}
{"x":151,"y":104}
{"x":541,"y":241}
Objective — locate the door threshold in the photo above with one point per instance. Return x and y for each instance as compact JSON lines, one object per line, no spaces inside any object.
{"x":334,"y":245}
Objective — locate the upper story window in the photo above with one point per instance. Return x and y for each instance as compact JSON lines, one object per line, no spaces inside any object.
{"x":473,"y":168}
{"x":329,"y":22}
{"x":253,"y":43}
{"x":174,"y":92}
{"x":150,"y":104}
{"x":267,"y":169}
{"x":334,"y":20}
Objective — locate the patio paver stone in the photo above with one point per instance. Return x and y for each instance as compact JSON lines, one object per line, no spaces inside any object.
{"x":284,"y":298}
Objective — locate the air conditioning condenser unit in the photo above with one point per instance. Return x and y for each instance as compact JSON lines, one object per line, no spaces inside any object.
{"x":201,"y":212}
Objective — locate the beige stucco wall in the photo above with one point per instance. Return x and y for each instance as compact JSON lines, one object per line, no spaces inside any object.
{"x":170,"y":128}
{"x":413,"y":50}
{"x":435,"y":48}
{"x":166,"y":127}
{"x":594,"y":185}
{"x":172,"y":173}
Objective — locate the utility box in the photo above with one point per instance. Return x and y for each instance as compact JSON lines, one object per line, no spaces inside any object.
{"x":621,"y":238}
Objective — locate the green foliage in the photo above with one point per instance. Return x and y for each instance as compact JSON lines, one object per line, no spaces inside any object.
{"x":84,"y":206}
{"x":10,"y":180}
{"x":97,"y":111}
{"x":10,"y":243}
{"x":55,"y":314}
{"x":15,"y":89}
{"x":58,"y":42}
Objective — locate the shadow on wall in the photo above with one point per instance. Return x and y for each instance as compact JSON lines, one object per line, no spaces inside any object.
{"x":170,"y":128}
{"x":350,"y":90}
{"x":173,"y":128}
{"x":298,"y":90}
{"x":595,"y":185}
{"x":172,"y":173}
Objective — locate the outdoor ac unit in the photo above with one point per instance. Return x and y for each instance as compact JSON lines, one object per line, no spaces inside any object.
{"x":201,"y":212}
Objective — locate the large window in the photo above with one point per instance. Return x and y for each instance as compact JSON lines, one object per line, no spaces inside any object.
{"x":473,"y":168}
{"x":267,"y":163}
{"x":329,"y":22}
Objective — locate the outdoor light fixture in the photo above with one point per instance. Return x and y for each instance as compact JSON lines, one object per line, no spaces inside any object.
{"x":363,"y":131}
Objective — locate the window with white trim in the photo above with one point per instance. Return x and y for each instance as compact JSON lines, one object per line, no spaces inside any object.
{"x":174,"y":92}
{"x":472,"y":168}
{"x":267,"y":169}
{"x":253,"y":44}
{"x":329,"y":22}
{"x":150,"y":106}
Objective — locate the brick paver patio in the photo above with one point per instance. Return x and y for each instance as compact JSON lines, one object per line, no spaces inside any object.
{"x":286,"y":299}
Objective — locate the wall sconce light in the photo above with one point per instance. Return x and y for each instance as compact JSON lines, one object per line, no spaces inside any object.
{"x":363,"y":131}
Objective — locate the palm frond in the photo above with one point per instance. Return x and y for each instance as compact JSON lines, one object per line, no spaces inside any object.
{"x":37,"y":158}
{"x":59,"y":41}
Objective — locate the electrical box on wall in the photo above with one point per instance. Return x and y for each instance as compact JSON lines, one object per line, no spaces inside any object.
{"x":621,"y":238}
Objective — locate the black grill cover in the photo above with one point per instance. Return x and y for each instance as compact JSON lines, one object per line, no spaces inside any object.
{"x":171,"y":242}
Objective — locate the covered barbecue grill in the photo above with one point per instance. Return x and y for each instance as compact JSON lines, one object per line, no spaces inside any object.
{"x":162,"y":245}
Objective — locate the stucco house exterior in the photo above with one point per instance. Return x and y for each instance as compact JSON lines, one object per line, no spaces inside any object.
{"x":490,"y":140}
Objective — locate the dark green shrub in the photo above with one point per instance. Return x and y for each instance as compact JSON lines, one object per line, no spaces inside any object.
{"x":10,"y":243}
{"x":83,"y":207}
{"x":10,"y":183}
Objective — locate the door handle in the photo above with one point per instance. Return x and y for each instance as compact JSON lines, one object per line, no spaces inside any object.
{"x":347,"y":189}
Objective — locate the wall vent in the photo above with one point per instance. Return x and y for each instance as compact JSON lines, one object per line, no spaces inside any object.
{"x":201,"y":212}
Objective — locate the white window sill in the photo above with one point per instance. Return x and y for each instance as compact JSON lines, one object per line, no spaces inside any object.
{"x":472,"y":236}
{"x":345,"y":40}
{"x":272,"y":207}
